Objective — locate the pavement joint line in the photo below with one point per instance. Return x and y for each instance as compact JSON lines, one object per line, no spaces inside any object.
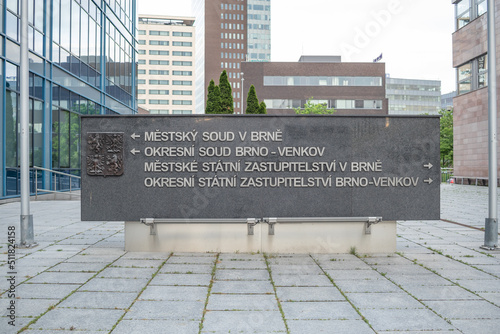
{"x":464,"y":225}
{"x":212,"y":278}
{"x":344,"y":295}
{"x":63,"y":299}
{"x":280,"y":307}
{"x":406,"y":291}
{"x":140,"y":292}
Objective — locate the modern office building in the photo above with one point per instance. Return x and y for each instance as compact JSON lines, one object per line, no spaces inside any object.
{"x":470,"y":107}
{"x":447,"y":100}
{"x":82,"y":61}
{"x":166,"y":71}
{"x":413,"y":96}
{"x":350,"y":88}
{"x":223,"y":42}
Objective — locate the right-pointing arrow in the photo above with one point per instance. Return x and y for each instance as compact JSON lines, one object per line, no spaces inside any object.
{"x":134,"y":151}
{"x":429,"y":181}
{"x":429,"y":165}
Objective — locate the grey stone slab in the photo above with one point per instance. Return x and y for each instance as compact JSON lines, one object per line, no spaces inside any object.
{"x":241,"y":274}
{"x":26,"y":307}
{"x":133,"y":263}
{"x":181,"y":279}
{"x":19,"y":323}
{"x":492,"y":285}
{"x":99,"y":300}
{"x":250,"y":264}
{"x":353,"y":274}
{"x":395,"y":300}
{"x":371,"y":285}
{"x":405,"y":320}
{"x":343,"y":265}
{"x":62,"y":277}
{"x":301,"y":280}
{"x":186,"y":268}
{"x":430,"y":279}
{"x":465,"y":275}
{"x":175,"y":293}
{"x":240,"y":256}
{"x":192,"y":259}
{"x":157,"y":327}
{"x":412,"y":269}
{"x":329,"y":326}
{"x":465,"y":309}
{"x":243,"y":322}
{"x":282,"y":269}
{"x":92,"y":258}
{"x":471,"y":326}
{"x":166,"y":310}
{"x":127,"y":272}
{"x":242,"y":287}
{"x":491,"y":297}
{"x":79,"y":319}
{"x":78,"y":267}
{"x":45,"y":291}
{"x":444,"y":292}
{"x":242,"y":303}
{"x":319,"y":311}
{"x":115,"y":284}
{"x":309,"y":294}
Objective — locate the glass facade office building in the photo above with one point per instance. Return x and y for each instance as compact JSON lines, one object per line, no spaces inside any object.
{"x":259,"y":30}
{"x":82,"y":61}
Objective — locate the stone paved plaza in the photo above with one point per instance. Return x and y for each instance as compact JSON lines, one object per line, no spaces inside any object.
{"x":80,"y":280}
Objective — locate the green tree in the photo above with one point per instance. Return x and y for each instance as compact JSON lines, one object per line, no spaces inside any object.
{"x":226,"y":94}
{"x":446,"y":137}
{"x":262,"y":108}
{"x":213,"y":99}
{"x":311,"y":108}
{"x":252,"y":101}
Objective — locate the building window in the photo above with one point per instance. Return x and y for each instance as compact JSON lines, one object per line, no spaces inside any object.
{"x":158,"y":82}
{"x":182,"y":53}
{"x":159,"y":53}
{"x":182,"y":102}
{"x":158,"y":72}
{"x":464,"y":78}
{"x":182,"y":34}
{"x":182,"y":83}
{"x":141,"y":52}
{"x":158,"y":62}
{"x":158,"y":92}
{"x":141,"y":91}
{"x":322,"y":81}
{"x":187,"y":73}
{"x":482,"y":76}
{"x":141,"y":81}
{"x":182,"y":92}
{"x":158,"y":102}
{"x":468,"y":10}
{"x":158,"y":33}
{"x":163,"y":43}
{"x":141,"y":61}
{"x":482,"y":7}
{"x":142,"y":32}
{"x":177,"y":43}
{"x":182,"y":63}
{"x":473,"y":75}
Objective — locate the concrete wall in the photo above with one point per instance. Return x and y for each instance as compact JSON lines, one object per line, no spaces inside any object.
{"x":288,"y":238}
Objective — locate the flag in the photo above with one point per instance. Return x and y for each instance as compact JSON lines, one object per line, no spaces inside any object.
{"x":379,"y":58}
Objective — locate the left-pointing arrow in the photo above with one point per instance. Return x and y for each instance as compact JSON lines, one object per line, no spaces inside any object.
{"x":429,"y":181}
{"x":134,"y":151}
{"x":134,"y":136}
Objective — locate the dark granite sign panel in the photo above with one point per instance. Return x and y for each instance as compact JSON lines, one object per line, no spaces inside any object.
{"x":203,"y":166}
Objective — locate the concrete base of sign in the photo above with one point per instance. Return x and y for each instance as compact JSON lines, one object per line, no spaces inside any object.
{"x":301,"y":238}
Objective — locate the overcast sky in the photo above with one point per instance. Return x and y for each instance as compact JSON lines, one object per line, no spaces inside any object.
{"x":413,"y":36}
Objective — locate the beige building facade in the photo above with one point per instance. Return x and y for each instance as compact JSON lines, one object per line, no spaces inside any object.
{"x":166,"y":71}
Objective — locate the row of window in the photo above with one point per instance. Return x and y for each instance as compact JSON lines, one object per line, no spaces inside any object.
{"x":420,"y":98}
{"x":165,"y":62}
{"x":159,"y":72}
{"x":166,"y":53}
{"x":233,"y":46}
{"x":165,"y":92}
{"x":166,"y":33}
{"x":165,"y":43}
{"x":230,"y":26}
{"x":337,"y":104}
{"x":473,"y":74}
{"x":468,"y":10}
{"x":321,"y":81}
{"x":167,"y":102}
{"x":229,"y":16}
{"x":230,"y":65}
{"x":226,"y":55}
{"x":166,"y":111}
{"x":413,"y":87}
{"x":225,"y":6}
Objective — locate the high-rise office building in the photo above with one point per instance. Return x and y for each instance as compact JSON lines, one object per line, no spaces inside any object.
{"x":82,"y":61}
{"x":224,"y":40}
{"x":470,"y":106}
{"x":413,"y":96}
{"x":165,"y":80}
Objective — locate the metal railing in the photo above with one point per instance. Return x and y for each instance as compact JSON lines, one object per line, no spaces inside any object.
{"x":446,"y":175}
{"x":55,"y":181}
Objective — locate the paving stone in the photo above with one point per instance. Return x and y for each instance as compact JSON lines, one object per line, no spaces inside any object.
{"x":77,"y":267}
{"x":423,"y":280}
{"x":127,"y":272}
{"x":473,"y":326}
{"x":45,"y":291}
{"x":404,"y":320}
{"x":240,"y":257}
{"x":465,"y":275}
{"x":157,"y":327}
{"x":182,"y":279}
{"x":301,"y":280}
{"x":26,"y":307}
{"x":133,"y":263}
{"x":491,"y":297}
{"x":19,"y":323}
{"x":465,"y":309}
{"x":99,"y":300}
{"x":396,"y":300}
{"x":242,"y":303}
{"x":242,"y":274}
{"x":372,"y":285}
{"x":79,"y":319}
{"x":242,"y":264}
{"x":353,"y":274}
{"x":242,"y":287}
{"x":115,"y":284}
{"x":445,"y":292}
{"x":62,"y":278}
{"x":481,"y":285}
{"x":179,"y":293}
{"x":165,"y":309}
{"x":146,"y":256}
{"x":279,"y":269}
{"x":243,"y":322}
{"x":192,"y":260}
{"x":309,"y":294}
{"x":344,"y":265}
{"x":319,"y":311}
{"x":186,"y":268}
{"x":329,"y":326}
